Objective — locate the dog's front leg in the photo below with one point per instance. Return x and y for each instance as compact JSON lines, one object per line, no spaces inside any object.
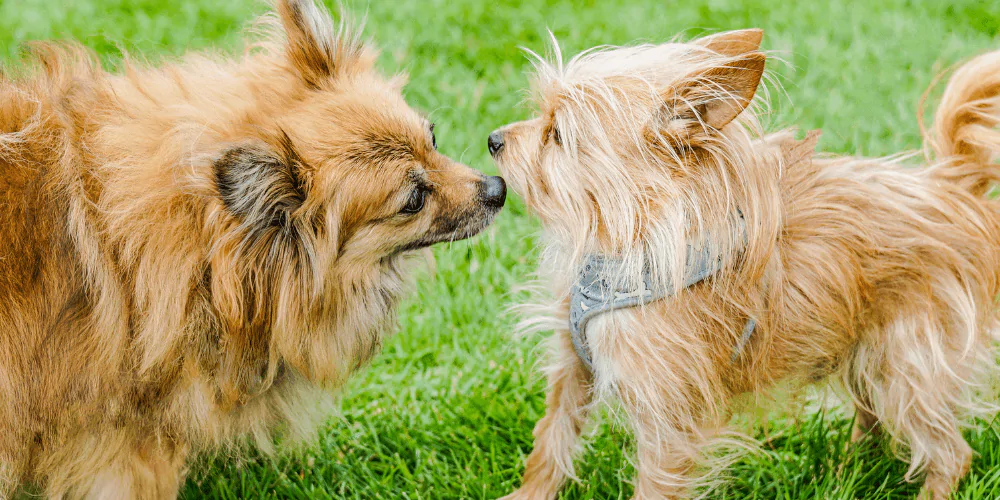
{"x":663,"y":464}
{"x":114,"y":466}
{"x":672,"y":423}
{"x":557,"y":433}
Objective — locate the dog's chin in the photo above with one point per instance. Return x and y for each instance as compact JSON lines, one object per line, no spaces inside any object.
{"x":470,"y":228}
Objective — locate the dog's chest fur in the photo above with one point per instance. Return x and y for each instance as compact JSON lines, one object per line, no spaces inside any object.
{"x":291,"y":403}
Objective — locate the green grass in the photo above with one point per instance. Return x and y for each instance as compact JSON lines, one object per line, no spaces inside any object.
{"x":447,"y":410}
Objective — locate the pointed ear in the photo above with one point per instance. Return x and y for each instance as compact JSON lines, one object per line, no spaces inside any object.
{"x":713,"y":98}
{"x":733,"y":43}
{"x":318,"y":50}
{"x":260,"y":186}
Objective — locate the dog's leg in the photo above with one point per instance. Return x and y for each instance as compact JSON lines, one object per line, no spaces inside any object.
{"x":919,"y":376}
{"x":13,"y":456}
{"x":146,"y":474}
{"x":9,"y":477}
{"x":111,"y":468}
{"x":675,"y":405}
{"x":947,"y":470}
{"x":865,"y":422}
{"x":855,"y":371}
{"x":937,"y":436}
{"x":666,"y":449}
{"x":557,"y":433}
{"x":667,"y":419}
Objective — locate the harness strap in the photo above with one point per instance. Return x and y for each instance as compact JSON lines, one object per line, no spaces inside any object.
{"x":593,"y":294}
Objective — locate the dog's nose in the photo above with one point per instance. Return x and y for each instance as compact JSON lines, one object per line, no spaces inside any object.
{"x":494,"y":191}
{"x":495,"y":143}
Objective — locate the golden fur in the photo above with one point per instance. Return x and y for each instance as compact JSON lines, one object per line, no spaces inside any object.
{"x":863,"y":271}
{"x":195,"y":254}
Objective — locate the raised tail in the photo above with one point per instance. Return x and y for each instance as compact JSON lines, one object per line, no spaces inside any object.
{"x":964,"y":136}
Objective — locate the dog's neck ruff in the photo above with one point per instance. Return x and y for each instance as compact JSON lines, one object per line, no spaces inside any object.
{"x":594,"y":294}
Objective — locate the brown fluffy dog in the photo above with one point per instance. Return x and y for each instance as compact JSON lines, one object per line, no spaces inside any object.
{"x":196,"y":253}
{"x":857,"y":270}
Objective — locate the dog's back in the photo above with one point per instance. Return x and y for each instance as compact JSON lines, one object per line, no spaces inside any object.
{"x":879,"y":226}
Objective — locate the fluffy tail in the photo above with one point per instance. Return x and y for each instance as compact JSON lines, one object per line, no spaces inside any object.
{"x":964,"y":136}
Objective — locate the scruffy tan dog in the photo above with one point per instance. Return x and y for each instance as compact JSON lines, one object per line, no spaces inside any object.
{"x":731,"y":261}
{"x":195,"y":254}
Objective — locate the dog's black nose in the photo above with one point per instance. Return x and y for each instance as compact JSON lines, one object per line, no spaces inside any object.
{"x":494,"y":191}
{"x":495,"y":143}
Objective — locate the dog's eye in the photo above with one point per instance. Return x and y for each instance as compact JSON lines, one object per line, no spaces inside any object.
{"x":415,"y":202}
{"x":434,"y":140}
{"x":556,"y":137}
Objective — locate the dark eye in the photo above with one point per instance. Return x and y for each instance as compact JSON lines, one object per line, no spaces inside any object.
{"x":556,"y":137}
{"x":434,"y":140}
{"x":415,"y":202}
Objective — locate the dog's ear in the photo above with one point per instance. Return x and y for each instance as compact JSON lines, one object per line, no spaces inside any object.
{"x":710,"y":99}
{"x":260,"y":185}
{"x":316,"y":49}
{"x":733,"y":43}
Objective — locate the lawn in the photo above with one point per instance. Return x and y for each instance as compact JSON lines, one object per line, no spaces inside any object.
{"x":447,"y":410}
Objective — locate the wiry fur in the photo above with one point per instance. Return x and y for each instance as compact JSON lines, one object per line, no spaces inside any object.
{"x":195,"y":254}
{"x":863,"y":271}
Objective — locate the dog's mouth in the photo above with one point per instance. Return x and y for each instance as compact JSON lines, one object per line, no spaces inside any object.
{"x":456,"y":226}
{"x":464,"y":229}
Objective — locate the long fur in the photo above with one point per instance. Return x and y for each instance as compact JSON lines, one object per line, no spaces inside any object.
{"x":196,"y":254}
{"x":866,"y":272}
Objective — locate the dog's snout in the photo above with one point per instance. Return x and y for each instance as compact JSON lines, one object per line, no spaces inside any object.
{"x":494,"y":191}
{"x":495,"y":144}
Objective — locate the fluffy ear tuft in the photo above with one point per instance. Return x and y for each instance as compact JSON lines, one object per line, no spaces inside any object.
{"x":712,"y":99}
{"x":318,"y":50}
{"x":259,"y":186}
{"x":733,"y":43}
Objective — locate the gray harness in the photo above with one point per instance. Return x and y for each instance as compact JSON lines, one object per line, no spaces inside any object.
{"x":593,"y":295}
